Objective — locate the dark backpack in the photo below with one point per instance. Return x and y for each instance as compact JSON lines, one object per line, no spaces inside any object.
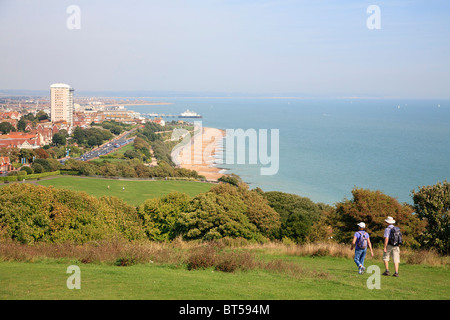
{"x":395,"y":237}
{"x":362,"y":241}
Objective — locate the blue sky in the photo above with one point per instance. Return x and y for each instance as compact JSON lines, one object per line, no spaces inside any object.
{"x":315,"y":47}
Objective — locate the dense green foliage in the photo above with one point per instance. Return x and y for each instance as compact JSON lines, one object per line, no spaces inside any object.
{"x":373,"y":207}
{"x":130,"y":169}
{"x":113,"y":126}
{"x":149,"y":137}
{"x":29,"y":213}
{"x":432,"y":203}
{"x":159,"y":215}
{"x":91,"y":136}
{"x":297,"y":214}
{"x":6,"y":127}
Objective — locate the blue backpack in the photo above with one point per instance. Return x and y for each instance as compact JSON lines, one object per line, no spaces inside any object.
{"x":362,"y":241}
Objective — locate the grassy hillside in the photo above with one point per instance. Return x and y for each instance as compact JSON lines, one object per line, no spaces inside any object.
{"x":135,"y":192}
{"x":47,"y":280}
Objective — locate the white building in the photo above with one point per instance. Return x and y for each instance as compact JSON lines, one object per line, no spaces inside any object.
{"x":61,"y":103}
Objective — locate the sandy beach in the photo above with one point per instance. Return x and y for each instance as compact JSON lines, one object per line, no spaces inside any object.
{"x":199,"y":154}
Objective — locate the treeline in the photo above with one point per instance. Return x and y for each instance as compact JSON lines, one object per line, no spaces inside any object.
{"x":129,"y":169}
{"x":31,"y":213}
{"x":133,"y":168}
{"x":113,"y":126}
{"x":91,"y":137}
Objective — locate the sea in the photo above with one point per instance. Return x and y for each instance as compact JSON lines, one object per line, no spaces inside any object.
{"x":327,"y":146}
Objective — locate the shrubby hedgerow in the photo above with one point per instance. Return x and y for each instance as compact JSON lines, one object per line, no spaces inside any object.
{"x":30,"y":213}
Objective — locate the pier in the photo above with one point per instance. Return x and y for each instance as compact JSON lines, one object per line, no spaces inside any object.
{"x":160,"y":115}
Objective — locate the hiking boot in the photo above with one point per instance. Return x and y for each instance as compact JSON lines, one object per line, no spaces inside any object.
{"x":395,"y":274}
{"x":386,"y":273}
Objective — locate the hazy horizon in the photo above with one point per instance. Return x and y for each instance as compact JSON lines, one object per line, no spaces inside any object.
{"x":276,"y":48}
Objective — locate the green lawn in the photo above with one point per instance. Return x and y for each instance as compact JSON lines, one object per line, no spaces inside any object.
{"x":135,"y":192}
{"x":47,"y":280}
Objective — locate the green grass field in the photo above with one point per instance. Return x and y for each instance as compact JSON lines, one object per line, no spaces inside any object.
{"x":47,"y":280}
{"x":135,"y":192}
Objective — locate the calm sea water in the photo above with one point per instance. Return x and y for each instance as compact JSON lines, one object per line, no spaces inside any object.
{"x":329,"y":146}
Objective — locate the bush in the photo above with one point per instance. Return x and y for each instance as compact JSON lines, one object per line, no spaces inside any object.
{"x":32,"y":214}
{"x":160,"y":215}
{"x":201,"y":258}
{"x":214,"y":216}
{"x":373,"y":207}
{"x":211,"y":256}
{"x":259,"y":211}
{"x":125,"y":262}
{"x":297,"y":214}
{"x":28,"y":170}
{"x":432,"y":203}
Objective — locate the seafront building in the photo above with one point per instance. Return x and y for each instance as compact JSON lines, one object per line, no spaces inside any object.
{"x":61,"y":103}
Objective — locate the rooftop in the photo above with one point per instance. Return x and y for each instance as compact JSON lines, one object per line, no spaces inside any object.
{"x":60,"y":85}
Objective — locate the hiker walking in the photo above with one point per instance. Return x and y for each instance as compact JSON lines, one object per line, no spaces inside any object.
{"x":392,"y":241}
{"x":361,"y":241}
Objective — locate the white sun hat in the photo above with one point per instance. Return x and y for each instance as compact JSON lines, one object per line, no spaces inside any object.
{"x":390,"y":220}
{"x":361,"y":224}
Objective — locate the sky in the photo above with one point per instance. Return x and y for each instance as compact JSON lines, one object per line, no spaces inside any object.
{"x":311,"y":48}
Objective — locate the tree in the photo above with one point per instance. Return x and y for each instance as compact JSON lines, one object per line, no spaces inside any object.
{"x":297,"y":214}
{"x":59,"y":139}
{"x":38,"y":168}
{"x":48,"y":165}
{"x":41,"y":115}
{"x":6,"y":127}
{"x":214,"y":216}
{"x":21,"y":124}
{"x":159,"y":215}
{"x":258,"y":211}
{"x":432,"y":204}
{"x":41,"y":154}
{"x":27,"y":154}
{"x":232,"y":179}
{"x":79,"y":135}
{"x":28,"y":170}
{"x":373,"y":207}
{"x":131,"y":154}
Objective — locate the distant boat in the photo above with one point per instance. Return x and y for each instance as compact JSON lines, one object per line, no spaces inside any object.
{"x":189,"y":114}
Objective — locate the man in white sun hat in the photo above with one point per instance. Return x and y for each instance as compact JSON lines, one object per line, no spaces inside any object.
{"x":361,"y":241}
{"x":392,"y":240}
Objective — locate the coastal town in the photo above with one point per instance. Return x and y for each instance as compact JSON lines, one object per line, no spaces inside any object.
{"x":61,"y":126}
{"x":31,"y":123}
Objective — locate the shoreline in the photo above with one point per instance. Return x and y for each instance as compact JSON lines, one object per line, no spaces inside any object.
{"x":200,"y":153}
